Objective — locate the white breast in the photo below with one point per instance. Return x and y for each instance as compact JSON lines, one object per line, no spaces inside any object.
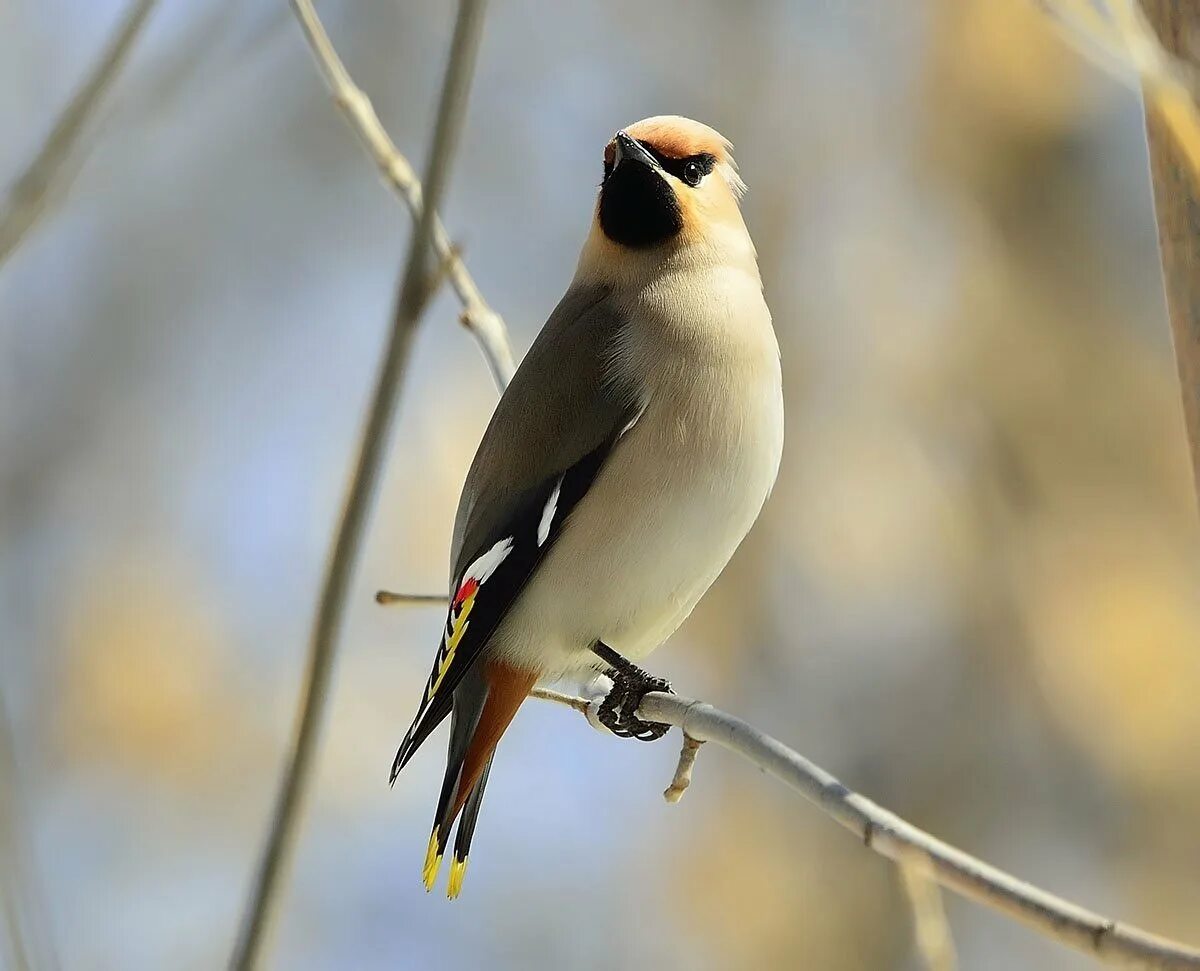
{"x":679,"y":493}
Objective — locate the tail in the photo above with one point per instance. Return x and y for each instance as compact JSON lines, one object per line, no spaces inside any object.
{"x":484,"y":705}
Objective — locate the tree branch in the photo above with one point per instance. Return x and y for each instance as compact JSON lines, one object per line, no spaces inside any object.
{"x":297,"y":778}
{"x":1118,"y":944}
{"x":27,"y":198}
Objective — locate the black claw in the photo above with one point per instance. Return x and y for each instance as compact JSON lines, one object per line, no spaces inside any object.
{"x":610,"y":715}
{"x":618,"y":711}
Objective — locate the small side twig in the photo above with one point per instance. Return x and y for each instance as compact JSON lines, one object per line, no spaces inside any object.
{"x":683,"y":770}
{"x":388,"y":597}
{"x":581,"y":705}
{"x":29,"y":194}
{"x":931,"y":929}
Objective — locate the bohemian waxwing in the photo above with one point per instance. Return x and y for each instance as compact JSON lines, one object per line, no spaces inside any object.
{"x":624,"y":464}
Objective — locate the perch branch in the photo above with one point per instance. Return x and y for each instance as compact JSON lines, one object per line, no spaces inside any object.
{"x":297,"y":778}
{"x":923,"y":859}
{"x":1117,"y":944}
{"x":484,"y":324}
{"x":27,"y":199}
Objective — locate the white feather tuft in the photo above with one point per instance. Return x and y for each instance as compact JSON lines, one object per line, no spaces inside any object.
{"x":486,"y":564}
{"x":543,"y":530}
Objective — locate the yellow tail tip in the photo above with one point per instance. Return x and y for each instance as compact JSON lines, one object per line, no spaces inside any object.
{"x":433,"y":862}
{"x":458,"y":869}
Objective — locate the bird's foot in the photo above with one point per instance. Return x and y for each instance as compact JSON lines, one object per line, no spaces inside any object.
{"x":618,"y":711}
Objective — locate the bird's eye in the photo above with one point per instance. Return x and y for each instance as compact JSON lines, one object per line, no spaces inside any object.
{"x":692,"y":173}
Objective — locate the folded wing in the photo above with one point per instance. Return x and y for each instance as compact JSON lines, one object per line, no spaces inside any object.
{"x":551,"y":434}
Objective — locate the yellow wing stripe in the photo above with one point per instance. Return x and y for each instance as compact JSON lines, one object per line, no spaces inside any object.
{"x":456,"y":635}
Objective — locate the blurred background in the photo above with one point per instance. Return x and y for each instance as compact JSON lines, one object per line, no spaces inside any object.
{"x":972,"y":596}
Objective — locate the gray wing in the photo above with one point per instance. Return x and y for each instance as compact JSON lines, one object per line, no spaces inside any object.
{"x":555,"y":426}
{"x":562,"y":404}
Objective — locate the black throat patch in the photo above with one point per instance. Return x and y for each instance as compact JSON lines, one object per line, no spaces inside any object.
{"x":637,"y":207}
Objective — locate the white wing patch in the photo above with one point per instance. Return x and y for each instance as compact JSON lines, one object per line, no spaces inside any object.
{"x":487,"y":563}
{"x":543,"y":530}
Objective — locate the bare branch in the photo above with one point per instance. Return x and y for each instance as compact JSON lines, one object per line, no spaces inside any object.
{"x":27,"y":199}
{"x":484,"y":324}
{"x":1117,"y":944}
{"x":297,"y":778}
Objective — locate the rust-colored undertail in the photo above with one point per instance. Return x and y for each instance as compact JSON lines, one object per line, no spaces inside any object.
{"x":480,"y":718}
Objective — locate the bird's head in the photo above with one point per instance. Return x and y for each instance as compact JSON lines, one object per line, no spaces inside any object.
{"x":670,"y":190}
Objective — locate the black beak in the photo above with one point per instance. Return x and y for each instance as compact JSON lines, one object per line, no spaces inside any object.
{"x":630,"y":149}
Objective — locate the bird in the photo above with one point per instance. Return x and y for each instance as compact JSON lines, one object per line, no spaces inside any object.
{"x":625,"y":462}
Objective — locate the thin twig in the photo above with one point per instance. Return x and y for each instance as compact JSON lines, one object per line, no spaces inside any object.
{"x":388,"y":597}
{"x":484,"y":324}
{"x":1117,"y":944}
{"x":28,"y":196}
{"x":931,"y":929}
{"x":581,"y":705}
{"x":683,"y":769}
{"x":297,"y":778}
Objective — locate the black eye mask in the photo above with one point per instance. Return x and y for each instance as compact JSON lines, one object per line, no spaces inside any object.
{"x":701,"y":164}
